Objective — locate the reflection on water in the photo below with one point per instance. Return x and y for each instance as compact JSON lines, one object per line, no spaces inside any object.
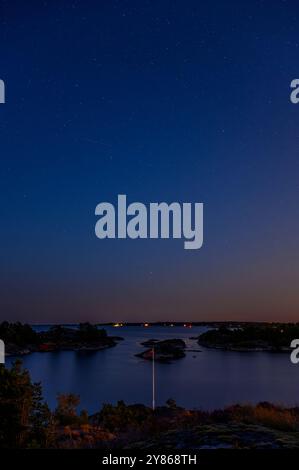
{"x":208,"y":379}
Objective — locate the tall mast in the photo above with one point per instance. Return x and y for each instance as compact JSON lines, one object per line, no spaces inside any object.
{"x":153,"y":370}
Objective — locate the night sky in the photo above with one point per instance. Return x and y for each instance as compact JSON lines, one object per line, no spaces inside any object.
{"x":182,"y":101}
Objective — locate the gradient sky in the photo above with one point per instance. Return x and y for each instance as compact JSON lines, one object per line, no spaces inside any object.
{"x":162,"y":101}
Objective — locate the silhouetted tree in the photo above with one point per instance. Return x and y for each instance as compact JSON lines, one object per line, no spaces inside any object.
{"x":66,"y":411}
{"x":23,"y":414}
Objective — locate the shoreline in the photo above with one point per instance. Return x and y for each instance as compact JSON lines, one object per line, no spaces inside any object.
{"x":229,"y":348}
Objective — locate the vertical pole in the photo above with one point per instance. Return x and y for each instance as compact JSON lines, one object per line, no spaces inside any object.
{"x":2,"y":352}
{"x":154,"y":398}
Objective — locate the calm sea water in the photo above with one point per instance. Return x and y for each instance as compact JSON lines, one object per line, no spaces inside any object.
{"x":208,"y":379}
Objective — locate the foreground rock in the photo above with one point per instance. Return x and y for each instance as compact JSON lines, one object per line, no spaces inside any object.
{"x":220,"y":436}
{"x":165,"y":351}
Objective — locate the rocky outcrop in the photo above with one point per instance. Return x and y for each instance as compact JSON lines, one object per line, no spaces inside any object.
{"x":165,"y":351}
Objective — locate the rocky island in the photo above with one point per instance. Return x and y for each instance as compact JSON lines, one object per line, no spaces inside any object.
{"x":22,"y":339}
{"x":165,"y":351}
{"x":270,"y":337}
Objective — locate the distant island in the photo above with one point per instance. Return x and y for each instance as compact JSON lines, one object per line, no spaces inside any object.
{"x":252,"y":337}
{"x":164,"y":351}
{"x":21,"y":339}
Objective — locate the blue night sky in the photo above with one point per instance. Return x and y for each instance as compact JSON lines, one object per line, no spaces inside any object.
{"x":162,"y":101}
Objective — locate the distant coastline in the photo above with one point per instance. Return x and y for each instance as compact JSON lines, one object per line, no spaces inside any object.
{"x":213,"y":323}
{"x":21,"y":339}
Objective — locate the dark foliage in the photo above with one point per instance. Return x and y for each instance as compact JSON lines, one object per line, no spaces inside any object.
{"x":18,"y":333}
